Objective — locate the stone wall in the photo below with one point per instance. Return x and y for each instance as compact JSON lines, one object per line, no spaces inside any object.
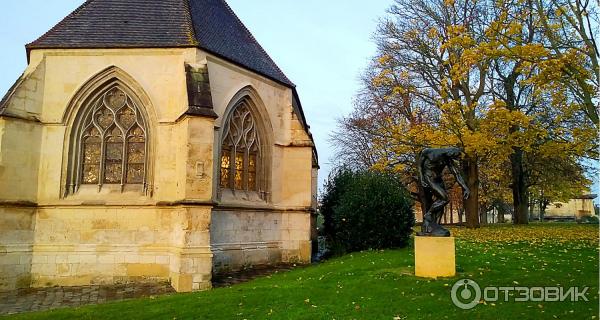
{"x":114,"y":235}
{"x":19,"y":161}
{"x":191,"y":268}
{"x":87,"y":245}
{"x":245,"y":234}
{"x":16,"y":241}
{"x":295,"y":237}
{"x":83,"y":245}
{"x":245,"y":238}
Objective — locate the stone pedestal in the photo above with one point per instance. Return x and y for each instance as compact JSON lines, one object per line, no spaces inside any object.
{"x":434,"y":257}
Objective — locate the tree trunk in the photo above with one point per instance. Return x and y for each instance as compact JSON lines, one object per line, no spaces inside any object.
{"x":471,"y":204}
{"x":501,"y":211}
{"x":531,"y":205}
{"x":483,"y":214}
{"x":543,"y":205}
{"x":519,"y":188}
{"x":518,"y":185}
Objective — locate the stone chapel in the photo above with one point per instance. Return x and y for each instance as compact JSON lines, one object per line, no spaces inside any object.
{"x":151,"y":140}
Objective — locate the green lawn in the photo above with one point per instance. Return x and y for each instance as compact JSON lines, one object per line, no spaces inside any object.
{"x":380,"y":285}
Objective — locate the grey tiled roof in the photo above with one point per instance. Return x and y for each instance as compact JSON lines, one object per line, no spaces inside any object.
{"x":208,"y":24}
{"x":122,"y":23}
{"x":220,"y":31}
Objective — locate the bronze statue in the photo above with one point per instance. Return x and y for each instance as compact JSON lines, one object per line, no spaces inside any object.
{"x":431,"y":166}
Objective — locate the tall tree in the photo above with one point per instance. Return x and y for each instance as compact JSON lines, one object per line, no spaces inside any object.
{"x":475,"y":74}
{"x":524,"y":61}
{"x":428,"y":40}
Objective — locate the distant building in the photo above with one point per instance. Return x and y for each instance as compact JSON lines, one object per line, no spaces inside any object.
{"x":576,"y":209}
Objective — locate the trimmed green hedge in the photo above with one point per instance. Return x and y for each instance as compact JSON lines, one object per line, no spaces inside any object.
{"x":365,"y":210}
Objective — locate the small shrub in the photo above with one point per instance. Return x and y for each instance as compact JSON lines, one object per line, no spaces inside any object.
{"x":589,"y":220}
{"x":366,"y":210}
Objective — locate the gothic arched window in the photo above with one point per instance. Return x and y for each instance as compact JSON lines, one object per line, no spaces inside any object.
{"x":241,"y":156}
{"x":110,"y":142}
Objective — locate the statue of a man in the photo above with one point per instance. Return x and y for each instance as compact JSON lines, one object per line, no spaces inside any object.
{"x":431,"y":166}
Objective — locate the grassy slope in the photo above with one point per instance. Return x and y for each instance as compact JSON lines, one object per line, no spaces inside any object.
{"x":379,"y":285}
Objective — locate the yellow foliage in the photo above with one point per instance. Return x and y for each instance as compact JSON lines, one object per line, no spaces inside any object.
{"x":487,"y":130}
{"x":433,"y":33}
{"x":384,"y":60}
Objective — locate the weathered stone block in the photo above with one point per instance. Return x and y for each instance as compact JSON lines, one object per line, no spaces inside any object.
{"x":106,"y":259}
{"x":147,"y":270}
{"x":162,"y":259}
{"x":181,"y":282}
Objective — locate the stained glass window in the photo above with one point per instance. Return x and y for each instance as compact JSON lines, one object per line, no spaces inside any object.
{"x":252,"y":172}
{"x":225,"y":167}
{"x":92,"y":144}
{"x":238,"y":180}
{"x":136,"y":156}
{"x":113,"y":163}
{"x":113,"y":141}
{"x":240,"y":151}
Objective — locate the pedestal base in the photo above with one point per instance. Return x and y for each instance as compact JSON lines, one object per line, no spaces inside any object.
{"x":435,"y":257}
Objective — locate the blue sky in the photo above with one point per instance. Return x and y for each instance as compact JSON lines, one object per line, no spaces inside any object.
{"x":322,"y":46}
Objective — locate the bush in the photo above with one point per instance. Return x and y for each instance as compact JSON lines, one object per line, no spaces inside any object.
{"x":365,"y":210}
{"x":589,"y":220}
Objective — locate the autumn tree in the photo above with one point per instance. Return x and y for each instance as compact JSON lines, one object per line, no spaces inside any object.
{"x":569,"y":27}
{"x":557,"y":178}
{"x":480,"y":75}
{"x":433,"y":92}
{"x":430,"y":42}
{"x":372,"y":136}
{"x":523,"y":62}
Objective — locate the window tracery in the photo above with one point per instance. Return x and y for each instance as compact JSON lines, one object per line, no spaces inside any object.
{"x":112,"y":142}
{"x":241,"y":151}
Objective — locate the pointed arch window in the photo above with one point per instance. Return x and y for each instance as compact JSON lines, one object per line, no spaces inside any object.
{"x":241,"y":155}
{"x":111,"y":142}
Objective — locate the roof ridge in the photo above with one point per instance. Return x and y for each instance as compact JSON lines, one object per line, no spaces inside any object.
{"x":241,"y":24}
{"x":62,"y":22}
